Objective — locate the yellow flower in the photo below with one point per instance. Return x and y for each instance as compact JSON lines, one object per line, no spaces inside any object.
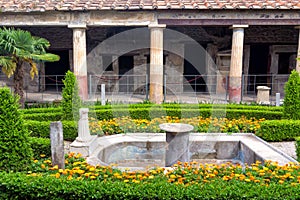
{"x":172,"y":176}
{"x":57,"y":175}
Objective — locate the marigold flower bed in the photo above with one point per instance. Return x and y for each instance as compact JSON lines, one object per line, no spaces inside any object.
{"x":129,"y":125}
{"x":187,"y":173}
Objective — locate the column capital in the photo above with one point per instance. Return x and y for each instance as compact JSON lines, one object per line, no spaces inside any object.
{"x":239,"y":26}
{"x":77,"y":26}
{"x":150,"y":26}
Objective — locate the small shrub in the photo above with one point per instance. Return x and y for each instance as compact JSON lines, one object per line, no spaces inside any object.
{"x":40,"y":146}
{"x":71,"y":101}
{"x":291,"y":102}
{"x":15,"y":150}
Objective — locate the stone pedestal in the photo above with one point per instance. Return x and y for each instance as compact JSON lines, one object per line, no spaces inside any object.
{"x":263,"y":94}
{"x":84,"y":143}
{"x":236,"y":64}
{"x":57,"y":144}
{"x":79,"y":58}
{"x":177,"y":137}
{"x":156,"y":63}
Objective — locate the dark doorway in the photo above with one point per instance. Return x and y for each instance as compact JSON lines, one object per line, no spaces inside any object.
{"x":258,"y":67}
{"x":55,"y":71}
{"x":285,"y":63}
{"x":194,"y":67}
{"x":126,"y":74}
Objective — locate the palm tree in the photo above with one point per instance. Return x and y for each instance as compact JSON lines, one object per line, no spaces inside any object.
{"x":18,"y":47}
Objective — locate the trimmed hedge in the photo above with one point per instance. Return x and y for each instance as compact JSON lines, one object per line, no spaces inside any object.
{"x":20,"y":186}
{"x":42,"y":129}
{"x":279,"y":130}
{"x":40,"y":146}
{"x":144,"y":113}
{"x":43,"y":116}
{"x":150,"y":113}
{"x":41,"y":110}
{"x":188,"y":106}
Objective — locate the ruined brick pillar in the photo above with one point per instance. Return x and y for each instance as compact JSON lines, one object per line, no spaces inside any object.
{"x":236,"y":63}
{"x":298,"y":52}
{"x":79,"y":58}
{"x":156,"y":63}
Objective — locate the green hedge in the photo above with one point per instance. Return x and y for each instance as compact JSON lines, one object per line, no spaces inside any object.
{"x":298,"y":148}
{"x":148,"y":111}
{"x":188,"y":106}
{"x":20,"y":186}
{"x":42,"y":129}
{"x":41,"y":110}
{"x":43,"y":116}
{"x":279,"y":130}
{"x":144,"y":113}
{"x":40,"y":146}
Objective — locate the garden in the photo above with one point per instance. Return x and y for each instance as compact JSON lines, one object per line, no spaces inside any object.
{"x":26,"y":170}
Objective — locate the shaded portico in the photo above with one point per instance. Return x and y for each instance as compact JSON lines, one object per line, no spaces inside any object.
{"x":239,"y":23}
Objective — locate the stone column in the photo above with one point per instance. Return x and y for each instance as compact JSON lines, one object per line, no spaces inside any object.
{"x":236,"y":64}
{"x":156,"y":63}
{"x":246,"y":66}
{"x":79,"y":58}
{"x":298,"y":52}
{"x":211,"y":80}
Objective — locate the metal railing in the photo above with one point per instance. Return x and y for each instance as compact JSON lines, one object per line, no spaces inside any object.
{"x":49,"y":87}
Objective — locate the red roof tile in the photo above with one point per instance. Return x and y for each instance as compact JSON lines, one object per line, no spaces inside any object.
{"x":66,"y":5}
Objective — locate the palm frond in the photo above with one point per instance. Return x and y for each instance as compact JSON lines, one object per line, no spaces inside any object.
{"x":8,"y":65}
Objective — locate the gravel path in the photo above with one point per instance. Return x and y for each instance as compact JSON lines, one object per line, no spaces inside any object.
{"x":287,"y":147}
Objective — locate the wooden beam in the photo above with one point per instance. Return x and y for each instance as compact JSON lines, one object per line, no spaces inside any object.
{"x":227,"y":22}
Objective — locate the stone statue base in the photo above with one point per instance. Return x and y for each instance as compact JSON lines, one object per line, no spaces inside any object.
{"x":85,"y":148}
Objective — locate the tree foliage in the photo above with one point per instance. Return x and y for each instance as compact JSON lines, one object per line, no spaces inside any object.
{"x":18,"y":47}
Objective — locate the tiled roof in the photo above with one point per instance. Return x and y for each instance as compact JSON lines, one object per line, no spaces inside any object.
{"x":77,"y":5}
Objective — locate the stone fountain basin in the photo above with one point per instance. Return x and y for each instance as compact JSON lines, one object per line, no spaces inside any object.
{"x":141,"y":150}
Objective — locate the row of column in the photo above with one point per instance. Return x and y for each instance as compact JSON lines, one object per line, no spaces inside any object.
{"x":156,"y":61}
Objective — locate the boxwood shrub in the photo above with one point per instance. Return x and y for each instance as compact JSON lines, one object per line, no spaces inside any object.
{"x":40,"y":146}
{"x":279,"y":130}
{"x":20,"y":186}
{"x":42,"y":129}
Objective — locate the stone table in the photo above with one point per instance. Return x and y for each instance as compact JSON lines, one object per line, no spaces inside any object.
{"x":177,"y":137}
